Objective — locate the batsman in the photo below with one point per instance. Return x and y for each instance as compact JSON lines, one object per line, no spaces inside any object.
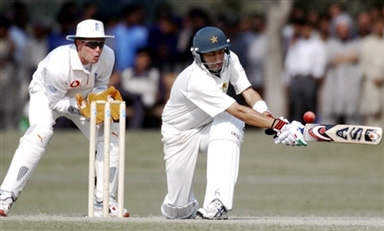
{"x":65,"y":82}
{"x":201,"y":117}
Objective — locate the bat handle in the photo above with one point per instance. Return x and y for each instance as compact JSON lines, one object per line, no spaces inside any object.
{"x":271,"y":132}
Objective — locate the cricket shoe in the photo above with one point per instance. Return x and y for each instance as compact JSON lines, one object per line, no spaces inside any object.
{"x":113,"y":209}
{"x":6,"y":202}
{"x":214,"y":211}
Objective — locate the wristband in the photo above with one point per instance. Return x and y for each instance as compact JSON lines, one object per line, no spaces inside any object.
{"x":260,"y":106}
{"x":278,"y":124}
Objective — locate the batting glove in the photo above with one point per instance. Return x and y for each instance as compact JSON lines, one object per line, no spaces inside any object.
{"x":289,"y":134}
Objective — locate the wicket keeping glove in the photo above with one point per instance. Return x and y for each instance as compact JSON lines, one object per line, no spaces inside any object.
{"x":289,"y":134}
{"x":85,"y":109}
{"x":110,"y":94}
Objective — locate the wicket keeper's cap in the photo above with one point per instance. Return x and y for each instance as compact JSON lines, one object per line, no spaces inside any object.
{"x":89,"y":28}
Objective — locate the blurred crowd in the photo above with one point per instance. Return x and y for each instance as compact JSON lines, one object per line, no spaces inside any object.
{"x":333,"y":60}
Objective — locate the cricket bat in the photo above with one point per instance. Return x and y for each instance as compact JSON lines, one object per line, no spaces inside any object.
{"x":340,"y":133}
{"x":343,"y":133}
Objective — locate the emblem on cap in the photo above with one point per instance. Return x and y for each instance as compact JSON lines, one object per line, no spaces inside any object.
{"x":214,"y":39}
{"x":97,"y":26}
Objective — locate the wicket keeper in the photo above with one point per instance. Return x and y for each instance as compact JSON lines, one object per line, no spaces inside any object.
{"x":65,"y":82}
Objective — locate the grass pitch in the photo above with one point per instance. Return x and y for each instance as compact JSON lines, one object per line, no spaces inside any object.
{"x":324,"y":186}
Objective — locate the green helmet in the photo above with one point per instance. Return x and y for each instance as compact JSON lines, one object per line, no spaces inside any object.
{"x":209,"y":39}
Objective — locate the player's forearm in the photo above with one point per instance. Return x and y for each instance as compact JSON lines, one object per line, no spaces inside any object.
{"x":63,"y":104}
{"x":250,"y":116}
{"x":251,"y":96}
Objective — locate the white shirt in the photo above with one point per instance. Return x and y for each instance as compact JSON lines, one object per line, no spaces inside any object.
{"x":372,"y":57}
{"x":198,"y":96}
{"x":145,"y":84}
{"x":61,"y":75}
{"x":306,"y":57}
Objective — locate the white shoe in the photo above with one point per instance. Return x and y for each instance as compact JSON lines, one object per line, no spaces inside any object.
{"x":6,"y":202}
{"x":214,"y":211}
{"x":113,"y":209}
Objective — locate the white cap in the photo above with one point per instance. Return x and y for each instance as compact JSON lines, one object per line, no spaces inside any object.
{"x":89,"y":28}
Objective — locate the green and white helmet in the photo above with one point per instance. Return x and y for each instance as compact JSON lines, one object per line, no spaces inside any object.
{"x":209,"y":39}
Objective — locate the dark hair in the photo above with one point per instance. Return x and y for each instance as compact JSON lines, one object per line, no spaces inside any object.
{"x":144,"y":50}
{"x":5,"y":22}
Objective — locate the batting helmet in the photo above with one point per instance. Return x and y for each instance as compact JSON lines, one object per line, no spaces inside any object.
{"x":209,"y":39}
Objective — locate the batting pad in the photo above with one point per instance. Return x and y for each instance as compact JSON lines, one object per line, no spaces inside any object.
{"x":182,"y":212}
{"x":223,"y":152}
{"x":222,"y":171}
{"x":27,"y":156}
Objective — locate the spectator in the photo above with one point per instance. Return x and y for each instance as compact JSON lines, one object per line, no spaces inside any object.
{"x":195,"y":19}
{"x":341,"y":90}
{"x":35,"y":50}
{"x":18,"y":30}
{"x":372,"y":66}
{"x":256,"y":54}
{"x":363,"y":24}
{"x":139,"y":87}
{"x":90,"y":10}
{"x":290,"y":31}
{"x":67,"y":19}
{"x":7,"y":70}
{"x":163,"y":39}
{"x":337,"y":10}
{"x":130,"y":35}
{"x":305,"y":67}
{"x":374,"y":12}
{"x":323,"y":27}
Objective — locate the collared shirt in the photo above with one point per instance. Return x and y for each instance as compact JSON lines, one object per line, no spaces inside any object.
{"x":307,"y":57}
{"x":198,"y":96}
{"x":61,"y":75}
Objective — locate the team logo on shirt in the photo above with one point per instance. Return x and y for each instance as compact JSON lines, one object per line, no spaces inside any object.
{"x":224,"y":86}
{"x":214,"y":39}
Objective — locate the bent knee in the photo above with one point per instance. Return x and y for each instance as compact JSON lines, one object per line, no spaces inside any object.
{"x":38,"y":135}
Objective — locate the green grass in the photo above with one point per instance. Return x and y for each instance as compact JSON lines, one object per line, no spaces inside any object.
{"x":324,"y":186}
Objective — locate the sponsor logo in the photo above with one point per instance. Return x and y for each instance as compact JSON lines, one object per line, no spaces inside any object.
{"x":356,"y":133}
{"x":52,"y":88}
{"x":372,"y":135}
{"x":353,"y":133}
{"x":75,"y":83}
{"x":342,"y":133}
{"x":236,"y":135}
{"x":319,"y":132}
{"x":217,"y":192}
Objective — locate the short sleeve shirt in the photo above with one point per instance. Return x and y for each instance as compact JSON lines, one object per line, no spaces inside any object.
{"x":197,"y":96}
{"x":61,"y":75}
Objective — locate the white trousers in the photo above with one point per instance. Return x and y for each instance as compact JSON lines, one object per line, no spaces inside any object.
{"x":35,"y":140}
{"x":221,"y":140}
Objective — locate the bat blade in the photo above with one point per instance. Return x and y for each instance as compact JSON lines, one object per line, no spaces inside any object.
{"x":343,"y":133}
